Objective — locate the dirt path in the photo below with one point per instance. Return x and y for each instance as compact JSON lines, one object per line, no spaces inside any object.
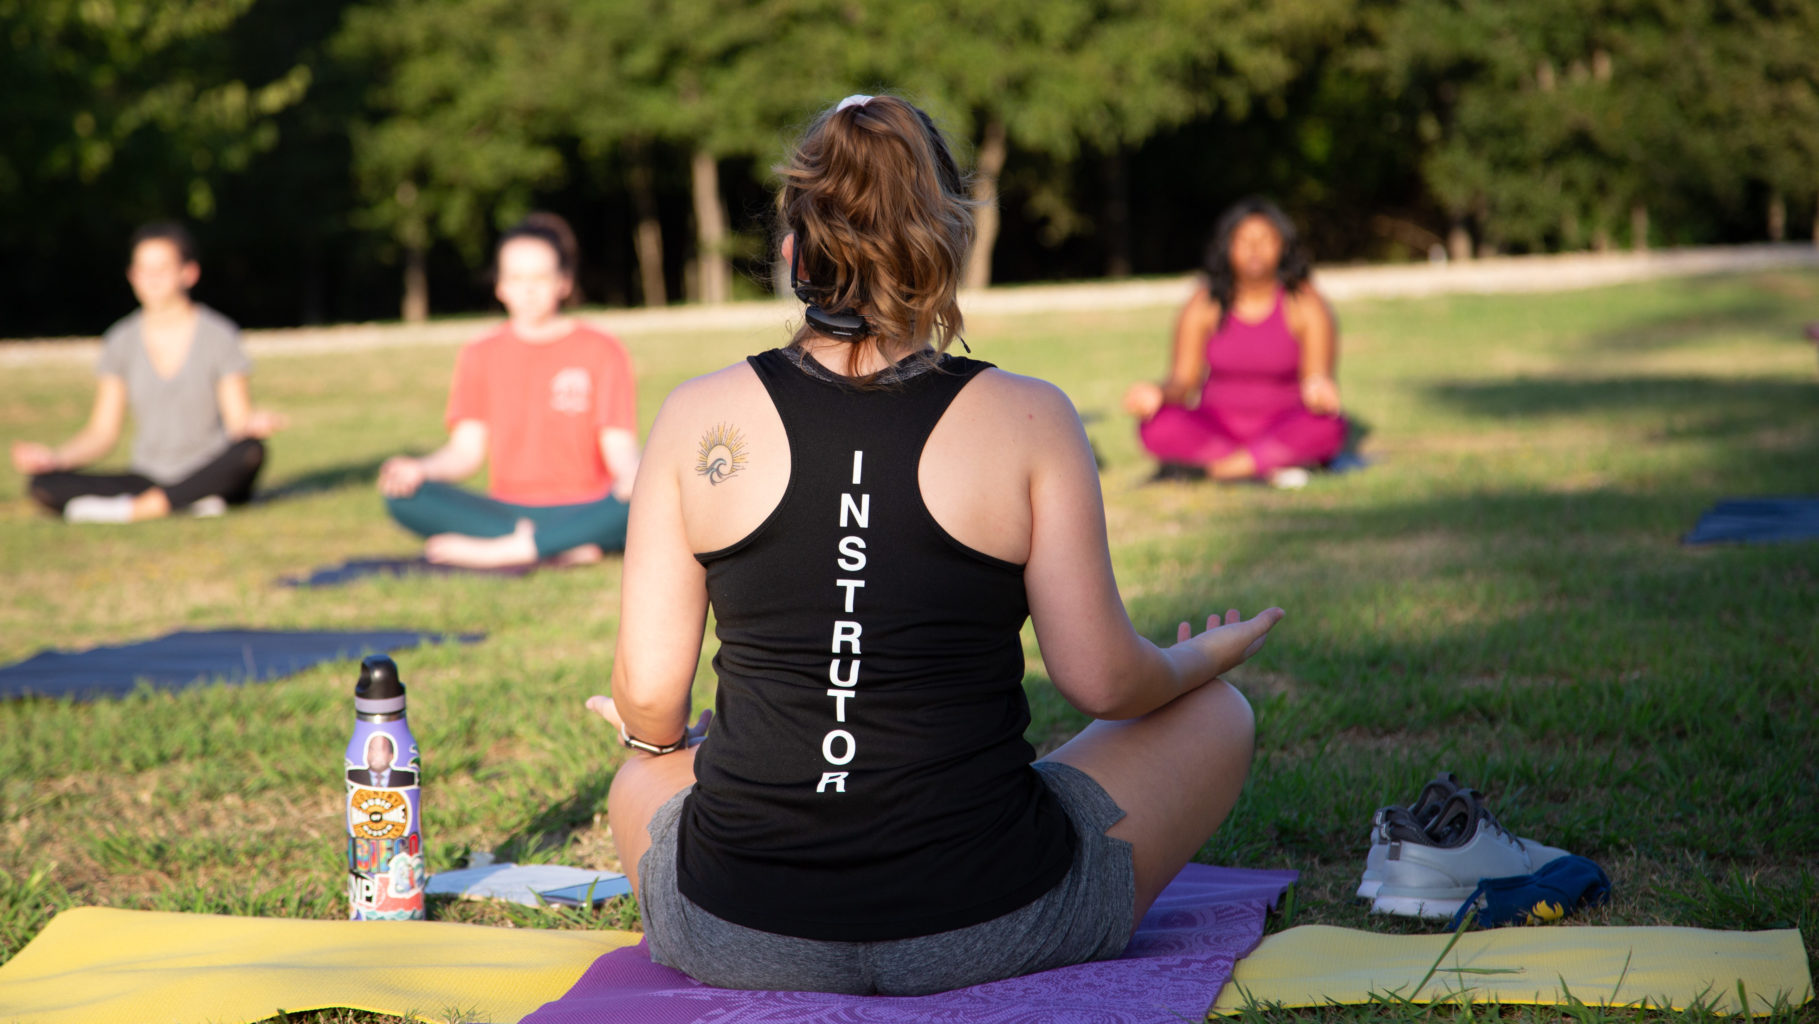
{"x":1340,"y":283}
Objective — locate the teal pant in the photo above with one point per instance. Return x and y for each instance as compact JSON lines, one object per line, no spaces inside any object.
{"x":445,"y":508}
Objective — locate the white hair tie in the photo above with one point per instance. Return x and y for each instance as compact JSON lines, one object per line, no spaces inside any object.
{"x":855,"y":100}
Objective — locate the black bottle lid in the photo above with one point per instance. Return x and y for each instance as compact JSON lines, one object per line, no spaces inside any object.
{"x":379,"y":691}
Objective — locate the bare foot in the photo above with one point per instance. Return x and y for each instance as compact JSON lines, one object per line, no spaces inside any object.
{"x":586,"y":554}
{"x":1239,"y":465}
{"x":150,"y":504}
{"x":518,"y":547}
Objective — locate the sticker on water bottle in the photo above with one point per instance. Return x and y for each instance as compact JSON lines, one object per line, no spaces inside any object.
{"x":378,"y":814}
{"x":391,"y":885}
{"x":381,"y":769}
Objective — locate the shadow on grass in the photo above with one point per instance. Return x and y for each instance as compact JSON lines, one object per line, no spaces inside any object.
{"x":1613,"y":692}
{"x":1723,"y":406}
{"x":1730,"y":312}
{"x":549,"y":830}
{"x":326,"y":478}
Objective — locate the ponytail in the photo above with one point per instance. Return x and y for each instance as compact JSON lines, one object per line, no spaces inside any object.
{"x":882,"y":224}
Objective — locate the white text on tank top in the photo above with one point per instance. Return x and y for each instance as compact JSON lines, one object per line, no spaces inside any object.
{"x":838,"y":747}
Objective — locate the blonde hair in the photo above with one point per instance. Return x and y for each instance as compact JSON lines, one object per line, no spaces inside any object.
{"x":882,"y":223}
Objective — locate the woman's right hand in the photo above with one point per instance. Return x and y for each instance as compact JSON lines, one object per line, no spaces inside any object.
{"x":31,"y":458}
{"x":400,"y":476}
{"x":1230,"y":643}
{"x":263,"y":423}
{"x":1143,"y":400}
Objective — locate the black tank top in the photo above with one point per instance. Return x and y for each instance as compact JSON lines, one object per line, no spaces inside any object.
{"x":866,"y":776}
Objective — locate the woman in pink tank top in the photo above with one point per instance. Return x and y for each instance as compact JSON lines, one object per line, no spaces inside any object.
{"x":1250,"y":391}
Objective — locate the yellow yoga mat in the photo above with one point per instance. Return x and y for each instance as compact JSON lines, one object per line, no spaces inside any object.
{"x":1313,"y":965}
{"x":103,"y":965}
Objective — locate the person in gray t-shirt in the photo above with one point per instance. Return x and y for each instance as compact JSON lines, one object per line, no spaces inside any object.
{"x":197,"y":443}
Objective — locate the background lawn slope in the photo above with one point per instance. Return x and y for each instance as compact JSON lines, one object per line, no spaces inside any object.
{"x":1502,"y":594}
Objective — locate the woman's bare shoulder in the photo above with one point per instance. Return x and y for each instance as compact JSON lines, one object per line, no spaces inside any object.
{"x":1015,"y":396}
{"x":1020,"y":418}
{"x":1304,"y":301}
{"x":1306,"y":291}
{"x":1201,"y":307}
{"x":726,"y":383}
{"x":728,"y":390}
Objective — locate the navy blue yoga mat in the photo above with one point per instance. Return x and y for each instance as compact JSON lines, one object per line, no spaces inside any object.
{"x":188,"y":658}
{"x":1757,"y":520}
{"x":361,"y":568}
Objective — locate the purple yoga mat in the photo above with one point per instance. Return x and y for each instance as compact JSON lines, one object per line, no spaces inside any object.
{"x":1204,"y":922}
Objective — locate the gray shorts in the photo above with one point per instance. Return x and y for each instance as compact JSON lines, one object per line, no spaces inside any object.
{"x":1086,"y":916}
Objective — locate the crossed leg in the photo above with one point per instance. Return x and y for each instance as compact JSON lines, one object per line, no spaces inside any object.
{"x":643,"y":784}
{"x":1176,"y":772}
{"x":1189,"y":436}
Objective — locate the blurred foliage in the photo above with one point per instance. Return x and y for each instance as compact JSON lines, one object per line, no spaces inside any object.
{"x":1547,"y":123}
{"x":93,"y":83}
{"x":313,"y":141}
{"x":463,"y":116}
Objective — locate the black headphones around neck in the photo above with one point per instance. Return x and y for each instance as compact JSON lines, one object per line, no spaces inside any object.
{"x":845,"y":324}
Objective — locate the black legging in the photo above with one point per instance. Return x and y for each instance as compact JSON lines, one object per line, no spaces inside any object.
{"x":229,"y":476}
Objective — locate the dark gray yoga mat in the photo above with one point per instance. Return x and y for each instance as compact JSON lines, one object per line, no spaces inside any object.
{"x":362,"y":568}
{"x":192,"y":657}
{"x":1758,"y":521}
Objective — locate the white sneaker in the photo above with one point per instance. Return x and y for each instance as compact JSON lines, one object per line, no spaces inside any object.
{"x":1291,"y":478}
{"x":93,"y":508}
{"x":1416,"y":817}
{"x":1414,"y":820}
{"x":1431,"y":873}
{"x":208,"y":507}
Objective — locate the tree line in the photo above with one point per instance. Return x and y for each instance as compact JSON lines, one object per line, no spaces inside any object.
{"x":347,"y":159}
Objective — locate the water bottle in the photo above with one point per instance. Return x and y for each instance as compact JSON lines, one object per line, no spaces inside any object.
{"x":385,"y":874}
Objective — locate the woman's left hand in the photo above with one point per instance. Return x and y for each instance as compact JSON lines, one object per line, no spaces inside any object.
{"x":1321,"y":395}
{"x":603,"y":706}
{"x":263,"y":423}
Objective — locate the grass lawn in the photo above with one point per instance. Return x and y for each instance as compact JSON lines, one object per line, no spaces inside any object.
{"x":1501,"y":594}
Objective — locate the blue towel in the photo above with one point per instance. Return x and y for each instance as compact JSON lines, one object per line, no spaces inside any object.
{"x":1559,"y":888}
{"x":1758,"y":520}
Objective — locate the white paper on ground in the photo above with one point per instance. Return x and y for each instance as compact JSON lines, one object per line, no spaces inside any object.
{"x":525,"y":883}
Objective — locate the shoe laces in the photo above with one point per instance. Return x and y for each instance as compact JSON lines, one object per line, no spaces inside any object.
{"x":1434,"y":796}
{"x":1463,"y":817}
{"x":1397,"y":824}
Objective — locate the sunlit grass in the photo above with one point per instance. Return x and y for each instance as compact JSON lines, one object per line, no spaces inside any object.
{"x":1502,"y":594}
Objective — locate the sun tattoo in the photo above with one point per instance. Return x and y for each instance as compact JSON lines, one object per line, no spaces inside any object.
{"x":721,"y":453}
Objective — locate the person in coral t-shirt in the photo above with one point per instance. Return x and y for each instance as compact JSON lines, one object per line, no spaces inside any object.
{"x":551,"y":404}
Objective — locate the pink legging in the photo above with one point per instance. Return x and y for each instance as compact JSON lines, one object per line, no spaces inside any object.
{"x":1202,"y":436}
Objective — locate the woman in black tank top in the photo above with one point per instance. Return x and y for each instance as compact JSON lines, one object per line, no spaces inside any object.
{"x":871,"y":521}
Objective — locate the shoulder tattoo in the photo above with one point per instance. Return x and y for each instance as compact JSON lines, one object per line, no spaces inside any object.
{"x":721,"y":453}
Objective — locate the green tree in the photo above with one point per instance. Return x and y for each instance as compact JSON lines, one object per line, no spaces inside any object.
{"x":1059,"y":77}
{"x":95,"y":84}
{"x":1550,"y":123}
{"x":1745,"y":78}
{"x":715,"y":80}
{"x":463,"y":120}
{"x":118,"y":111}
{"x":1517,"y":131}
